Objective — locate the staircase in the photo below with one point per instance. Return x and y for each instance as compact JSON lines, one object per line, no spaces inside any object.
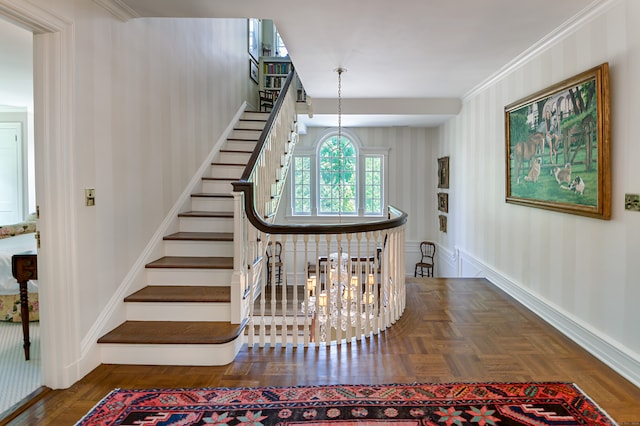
{"x":182,"y":316}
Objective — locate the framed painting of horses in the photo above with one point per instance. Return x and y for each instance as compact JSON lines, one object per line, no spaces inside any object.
{"x":558,"y":147}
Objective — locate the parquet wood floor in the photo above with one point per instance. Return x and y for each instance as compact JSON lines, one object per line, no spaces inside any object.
{"x":453,"y":330}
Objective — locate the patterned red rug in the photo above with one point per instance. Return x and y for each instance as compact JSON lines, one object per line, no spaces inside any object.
{"x":398,"y":404}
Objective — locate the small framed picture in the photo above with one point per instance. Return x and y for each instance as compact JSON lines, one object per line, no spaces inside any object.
{"x":443,"y":172}
{"x":443,"y":202}
{"x":253,"y":70}
{"x":443,"y":223}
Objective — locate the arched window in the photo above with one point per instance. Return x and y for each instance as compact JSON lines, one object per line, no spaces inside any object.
{"x":338,"y":177}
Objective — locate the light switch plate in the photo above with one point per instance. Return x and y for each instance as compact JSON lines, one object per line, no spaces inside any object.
{"x":90,"y":196}
{"x":632,"y":202}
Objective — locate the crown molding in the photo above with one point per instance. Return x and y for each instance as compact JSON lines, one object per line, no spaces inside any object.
{"x":118,"y":8}
{"x":31,"y":17}
{"x":592,"y":11}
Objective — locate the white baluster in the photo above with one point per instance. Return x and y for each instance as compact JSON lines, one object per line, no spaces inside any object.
{"x":294,"y":243}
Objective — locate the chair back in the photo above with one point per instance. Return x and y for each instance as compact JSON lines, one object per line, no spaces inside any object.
{"x":267,"y":99}
{"x":274,"y":252}
{"x":428,"y":251}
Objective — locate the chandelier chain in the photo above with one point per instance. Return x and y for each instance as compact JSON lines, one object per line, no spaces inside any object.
{"x":340,"y":150}
{"x":339,"y":104}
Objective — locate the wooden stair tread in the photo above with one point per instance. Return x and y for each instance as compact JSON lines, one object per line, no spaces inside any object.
{"x":228,"y":164}
{"x":219,"y":178}
{"x":173,"y":332}
{"x":212,"y":195}
{"x":200,"y":236}
{"x":206,"y":214}
{"x":192,"y":262}
{"x":177,"y":293}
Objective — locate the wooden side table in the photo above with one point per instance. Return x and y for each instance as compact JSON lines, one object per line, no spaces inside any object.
{"x":24,"y":267}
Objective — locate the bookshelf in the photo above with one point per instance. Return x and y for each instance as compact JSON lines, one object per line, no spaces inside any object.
{"x":273,"y":72}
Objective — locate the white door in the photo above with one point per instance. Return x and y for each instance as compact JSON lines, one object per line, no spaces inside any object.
{"x":11,"y":173}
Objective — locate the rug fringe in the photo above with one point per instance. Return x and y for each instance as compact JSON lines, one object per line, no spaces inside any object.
{"x":96,"y":406}
{"x":595,"y":404}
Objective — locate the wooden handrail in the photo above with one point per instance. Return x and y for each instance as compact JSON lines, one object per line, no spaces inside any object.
{"x":267,"y":128}
{"x":340,"y":228}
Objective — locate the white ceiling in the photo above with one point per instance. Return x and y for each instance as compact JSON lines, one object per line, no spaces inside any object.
{"x":431,"y":52}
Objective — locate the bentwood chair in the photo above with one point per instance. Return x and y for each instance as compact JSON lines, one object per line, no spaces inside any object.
{"x":267,"y":99}
{"x":274,"y":260}
{"x":427,"y":252}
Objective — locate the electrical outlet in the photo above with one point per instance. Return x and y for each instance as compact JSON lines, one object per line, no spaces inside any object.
{"x":90,"y":196}
{"x":632,"y":202}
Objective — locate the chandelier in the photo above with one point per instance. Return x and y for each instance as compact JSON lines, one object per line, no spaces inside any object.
{"x":343,"y":300}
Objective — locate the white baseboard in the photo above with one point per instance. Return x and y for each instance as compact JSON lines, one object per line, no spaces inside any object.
{"x":620,"y":358}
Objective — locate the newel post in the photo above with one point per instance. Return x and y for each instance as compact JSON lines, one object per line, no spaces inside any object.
{"x":239,"y":277}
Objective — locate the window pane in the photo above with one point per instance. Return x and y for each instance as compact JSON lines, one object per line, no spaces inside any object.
{"x":337,"y":173}
{"x":301,"y":185}
{"x":373,"y":185}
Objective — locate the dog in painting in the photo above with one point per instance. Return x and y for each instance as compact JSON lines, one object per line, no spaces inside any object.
{"x":577,"y":185}
{"x":563,"y":174}
{"x":535,"y":170}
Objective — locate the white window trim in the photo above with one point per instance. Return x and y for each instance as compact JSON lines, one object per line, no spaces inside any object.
{"x":362,"y":153}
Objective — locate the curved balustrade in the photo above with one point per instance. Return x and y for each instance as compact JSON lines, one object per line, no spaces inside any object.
{"x":331,"y":282}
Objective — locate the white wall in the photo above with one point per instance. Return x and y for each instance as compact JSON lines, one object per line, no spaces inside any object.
{"x":16,"y":66}
{"x":16,"y":89}
{"x":584,"y":270}
{"x":150,"y":98}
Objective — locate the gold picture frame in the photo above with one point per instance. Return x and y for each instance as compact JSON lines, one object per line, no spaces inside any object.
{"x":443,"y":172}
{"x":558,"y":147}
{"x":443,"y":202}
{"x":443,"y":223}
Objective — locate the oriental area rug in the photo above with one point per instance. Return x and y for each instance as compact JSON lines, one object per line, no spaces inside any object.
{"x":395,"y":404}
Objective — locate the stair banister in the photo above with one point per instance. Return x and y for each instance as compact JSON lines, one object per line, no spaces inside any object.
{"x":264,"y":170}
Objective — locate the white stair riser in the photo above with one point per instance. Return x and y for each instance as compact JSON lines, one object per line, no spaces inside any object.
{"x":234,"y":157}
{"x":178,"y":311}
{"x":198,"y":248}
{"x":199,"y":355}
{"x":212,"y":204}
{"x":234,"y":145}
{"x":250,"y":135}
{"x":217,"y":186}
{"x":204,"y":277}
{"x":248,"y":124}
{"x":205,"y":224}
{"x":252,"y":115}
{"x":230,"y":172}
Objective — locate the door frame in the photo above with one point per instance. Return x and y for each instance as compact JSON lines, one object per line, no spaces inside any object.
{"x":55,"y":183}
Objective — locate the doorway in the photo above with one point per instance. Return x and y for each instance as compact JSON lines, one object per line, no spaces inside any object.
{"x":17,"y":197}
